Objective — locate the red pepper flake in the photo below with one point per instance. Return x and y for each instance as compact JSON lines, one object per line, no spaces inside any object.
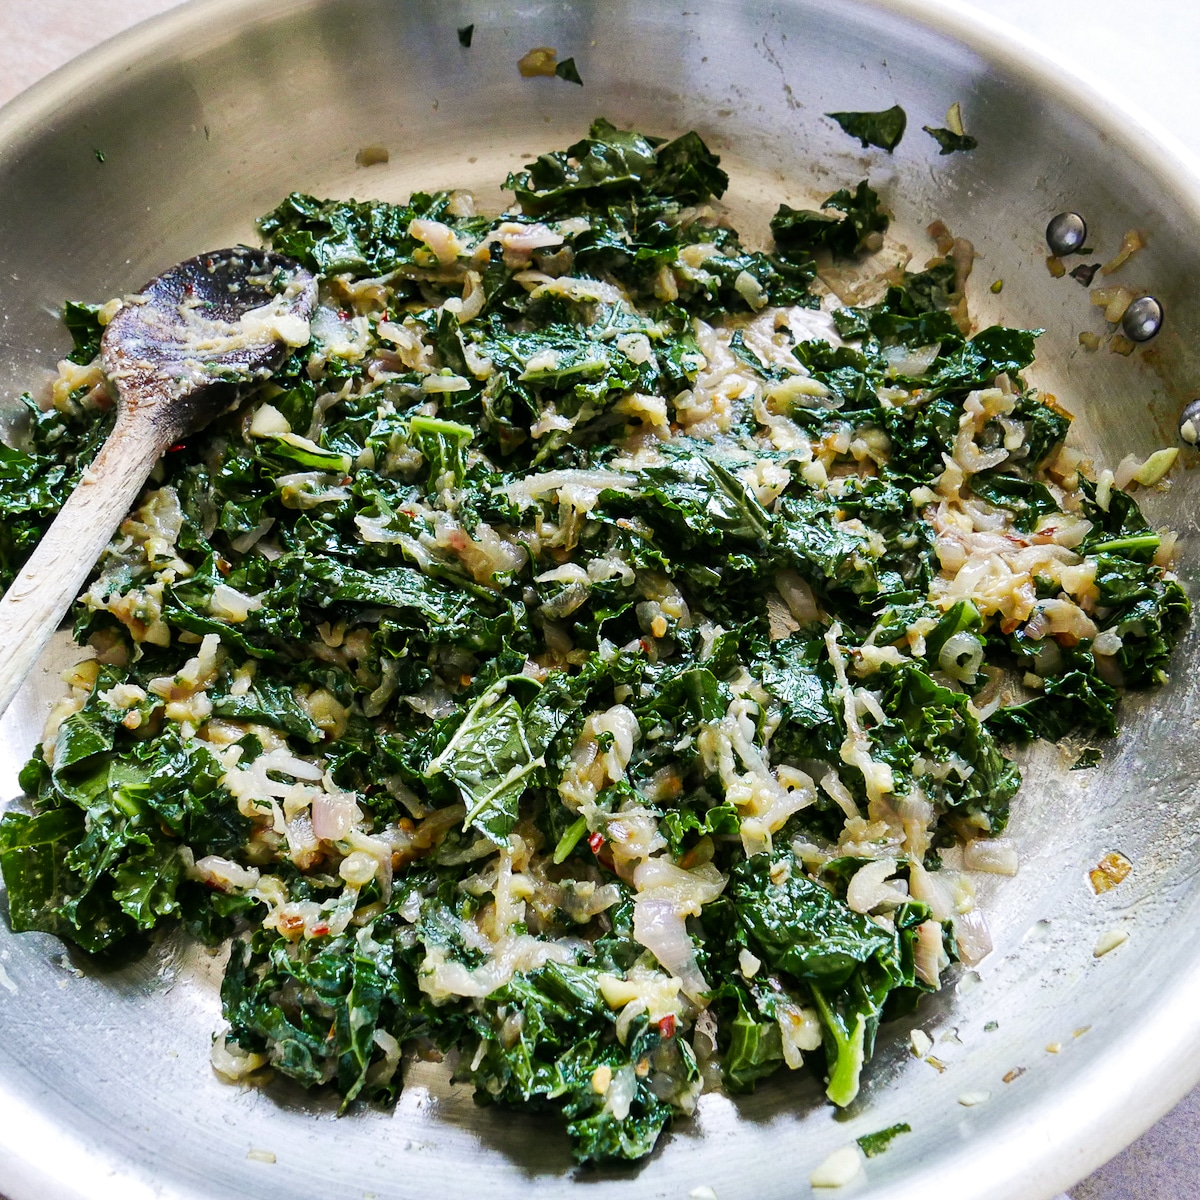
{"x":596,"y":841}
{"x":667,"y":1025}
{"x":176,"y":447}
{"x":319,"y":930}
{"x":344,"y":313}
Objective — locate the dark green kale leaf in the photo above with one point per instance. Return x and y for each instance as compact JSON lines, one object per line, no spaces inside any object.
{"x":795,"y":671}
{"x":874,"y":1144}
{"x":96,"y":883}
{"x":439,"y":610}
{"x":926,"y":720}
{"x":499,"y":743}
{"x":490,"y":759}
{"x":883,"y":129}
{"x":608,"y":162}
{"x":33,"y":851}
{"x":697,"y":817}
{"x":1137,"y":600}
{"x":465,"y":34}
{"x":146,"y":883}
{"x":100,"y":862}
{"x":571,"y":370}
{"x":82,"y":735}
{"x":804,"y":231}
{"x":270,"y":701}
{"x":911,"y":315}
{"x":949,"y":141}
{"x":362,"y":238}
{"x":316,"y":1004}
{"x":565,"y":1035}
{"x":884,"y":554}
{"x":1118,"y":527}
{"x":83,"y":323}
{"x":846,"y":962}
{"x":796,"y":926}
{"x":933,"y":289}
{"x":1073,"y":699}
{"x":991,"y":352}
{"x":35,"y":483}
{"x":1026,"y":499}
{"x":701,"y":502}
{"x":920,"y":439}
{"x":1147,"y":610}
{"x":1045,"y":428}
{"x":568,"y":71}
{"x":754,"y":1045}
{"x":443,"y":446}
{"x":688,"y":172}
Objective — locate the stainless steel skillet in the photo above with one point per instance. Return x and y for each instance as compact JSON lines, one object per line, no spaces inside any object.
{"x":205,"y":118}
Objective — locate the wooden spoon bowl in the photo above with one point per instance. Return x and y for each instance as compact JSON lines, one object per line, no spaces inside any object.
{"x":179,"y":352}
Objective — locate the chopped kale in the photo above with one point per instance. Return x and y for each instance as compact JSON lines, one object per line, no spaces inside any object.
{"x":1027,"y":499}
{"x":83,"y":322}
{"x":612,"y":163}
{"x":568,"y":71}
{"x":801,"y":230}
{"x":845,"y":962}
{"x":883,"y":129}
{"x":949,"y":141}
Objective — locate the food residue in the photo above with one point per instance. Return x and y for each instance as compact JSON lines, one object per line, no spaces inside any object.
{"x":1111,"y":870}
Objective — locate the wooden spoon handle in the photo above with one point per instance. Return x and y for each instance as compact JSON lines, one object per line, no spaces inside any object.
{"x":42,"y":593}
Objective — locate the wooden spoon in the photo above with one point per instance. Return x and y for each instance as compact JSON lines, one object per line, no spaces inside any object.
{"x":178,"y":353}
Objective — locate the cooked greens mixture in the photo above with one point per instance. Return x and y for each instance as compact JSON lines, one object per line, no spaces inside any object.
{"x":590,"y":657}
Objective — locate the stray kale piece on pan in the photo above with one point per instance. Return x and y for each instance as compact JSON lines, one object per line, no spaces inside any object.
{"x":949,"y":141}
{"x":586,"y":655}
{"x":874,"y":1144}
{"x":952,"y":138}
{"x":568,"y":71}
{"x":883,"y":129}
{"x":465,"y":34}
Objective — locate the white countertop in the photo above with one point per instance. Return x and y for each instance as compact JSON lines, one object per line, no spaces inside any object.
{"x":1144,"y":54}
